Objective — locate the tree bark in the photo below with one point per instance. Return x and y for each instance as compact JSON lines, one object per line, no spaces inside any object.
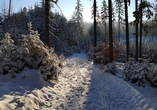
{"x":119,"y":24}
{"x":9,"y":9}
{"x":110,"y":30}
{"x":95,"y":36}
{"x":127,"y":29}
{"x":47,"y":27}
{"x":136,"y":21}
{"x":141,"y":26}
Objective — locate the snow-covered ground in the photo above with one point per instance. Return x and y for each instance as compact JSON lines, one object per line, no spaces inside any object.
{"x":82,"y":86}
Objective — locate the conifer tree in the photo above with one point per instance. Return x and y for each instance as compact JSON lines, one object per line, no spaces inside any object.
{"x":120,"y":11}
{"x":104,"y":16}
{"x":77,"y":17}
{"x":78,"y":25}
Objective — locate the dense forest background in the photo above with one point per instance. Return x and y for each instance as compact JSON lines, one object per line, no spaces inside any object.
{"x":75,"y":35}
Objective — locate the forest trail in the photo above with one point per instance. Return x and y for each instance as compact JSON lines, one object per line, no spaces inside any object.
{"x":82,"y":86}
{"x":86,"y":87}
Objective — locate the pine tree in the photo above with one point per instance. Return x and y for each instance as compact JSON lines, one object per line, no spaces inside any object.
{"x":77,"y":17}
{"x":104,"y":16}
{"x":144,"y":9}
{"x":77,"y":23}
{"x":120,"y":11}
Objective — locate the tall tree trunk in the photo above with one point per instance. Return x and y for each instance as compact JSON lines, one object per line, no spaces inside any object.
{"x":110,"y":30}
{"x":47,"y":27}
{"x":105,"y":32}
{"x":9,"y":11}
{"x":127,"y":29}
{"x":136,"y":21}
{"x":152,"y":33}
{"x":141,"y":15}
{"x":95,"y":37}
{"x":119,"y":24}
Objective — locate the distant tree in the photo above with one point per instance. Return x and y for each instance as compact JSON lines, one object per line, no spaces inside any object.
{"x":78,"y":25}
{"x":4,"y":10}
{"x":77,"y":16}
{"x":144,"y":10}
{"x":104,"y":16}
{"x":113,"y":18}
{"x":95,"y":16}
{"x":120,"y":12}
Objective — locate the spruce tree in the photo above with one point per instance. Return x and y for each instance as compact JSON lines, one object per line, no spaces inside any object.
{"x":78,"y":25}
{"x":77,"y":16}
{"x":104,"y":16}
{"x":120,"y":12}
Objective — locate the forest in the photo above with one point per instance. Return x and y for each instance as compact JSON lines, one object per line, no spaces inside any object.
{"x":43,"y":40}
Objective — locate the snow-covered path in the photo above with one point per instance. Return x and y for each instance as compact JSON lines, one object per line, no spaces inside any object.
{"x":92,"y":89}
{"x":89,"y":88}
{"x":82,"y":86}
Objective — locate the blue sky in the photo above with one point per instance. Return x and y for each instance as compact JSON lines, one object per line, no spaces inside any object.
{"x":67,"y":6}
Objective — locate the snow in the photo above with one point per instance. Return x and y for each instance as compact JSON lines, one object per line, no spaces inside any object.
{"x":82,"y":86}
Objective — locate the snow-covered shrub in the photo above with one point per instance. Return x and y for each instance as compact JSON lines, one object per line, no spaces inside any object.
{"x":101,"y":53}
{"x":152,"y":77}
{"x":110,"y":67}
{"x":122,"y":51}
{"x":30,"y":53}
{"x":140,"y":73}
{"x":149,"y":51}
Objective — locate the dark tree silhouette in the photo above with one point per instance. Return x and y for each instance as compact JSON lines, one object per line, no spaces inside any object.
{"x":95,"y":36}
{"x":47,"y":20}
{"x":141,"y":16}
{"x":104,"y":16}
{"x":120,"y":11}
{"x":144,"y":9}
{"x":127,"y":27}
{"x":9,"y":11}
{"x":110,"y":30}
{"x":136,"y":26}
